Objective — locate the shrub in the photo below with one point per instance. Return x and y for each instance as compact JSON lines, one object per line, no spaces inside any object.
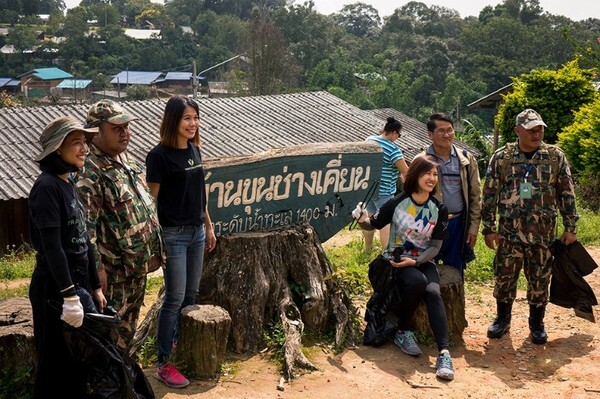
{"x":556,"y":95}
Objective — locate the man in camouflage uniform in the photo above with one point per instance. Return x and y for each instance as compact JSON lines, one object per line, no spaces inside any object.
{"x":527,"y":182}
{"x":123,"y":222}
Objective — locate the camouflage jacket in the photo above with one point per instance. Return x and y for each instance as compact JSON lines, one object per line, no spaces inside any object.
{"x":122,"y":220}
{"x":528,"y":220}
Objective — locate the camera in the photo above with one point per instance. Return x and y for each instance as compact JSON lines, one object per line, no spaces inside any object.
{"x":397,"y":253}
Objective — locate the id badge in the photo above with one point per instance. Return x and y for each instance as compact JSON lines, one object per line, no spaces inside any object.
{"x":525,"y":190}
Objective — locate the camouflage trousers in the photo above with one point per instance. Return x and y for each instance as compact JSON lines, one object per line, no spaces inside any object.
{"x":127,"y":298}
{"x":536,"y":262}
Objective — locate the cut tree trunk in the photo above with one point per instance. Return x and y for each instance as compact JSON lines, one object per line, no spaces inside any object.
{"x":453,"y":294}
{"x":280,"y":275}
{"x":17,"y":346}
{"x":267,"y":277}
{"x":203,"y":339}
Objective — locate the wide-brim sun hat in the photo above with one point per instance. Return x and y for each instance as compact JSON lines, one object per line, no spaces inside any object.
{"x":57,"y":130}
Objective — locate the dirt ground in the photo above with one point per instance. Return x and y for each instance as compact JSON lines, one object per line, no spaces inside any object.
{"x":511,"y":367}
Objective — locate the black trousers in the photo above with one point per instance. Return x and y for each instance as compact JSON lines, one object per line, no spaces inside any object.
{"x":56,"y":373}
{"x":414,"y":284}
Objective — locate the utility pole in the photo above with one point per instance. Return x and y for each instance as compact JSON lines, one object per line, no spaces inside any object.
{"x":194,"y":82}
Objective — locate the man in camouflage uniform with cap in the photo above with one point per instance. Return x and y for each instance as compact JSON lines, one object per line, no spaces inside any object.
{"x":527,"y":183}
{"x":123,"y":222}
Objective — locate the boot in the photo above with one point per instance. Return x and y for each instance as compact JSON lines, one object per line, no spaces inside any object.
{"x":501,"y":324}
{"x":536,"y":324}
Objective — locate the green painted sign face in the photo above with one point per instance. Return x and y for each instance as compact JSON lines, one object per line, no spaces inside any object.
{"x":319,"y":184}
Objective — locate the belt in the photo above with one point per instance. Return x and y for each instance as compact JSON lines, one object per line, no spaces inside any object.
{"x":453,"y":215}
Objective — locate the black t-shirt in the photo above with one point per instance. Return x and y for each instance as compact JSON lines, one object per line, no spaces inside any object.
{"x":54,"y":203}
{"x":182,"y":194}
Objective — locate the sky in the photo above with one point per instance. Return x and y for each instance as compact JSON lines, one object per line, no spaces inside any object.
{"x":574,"y":9}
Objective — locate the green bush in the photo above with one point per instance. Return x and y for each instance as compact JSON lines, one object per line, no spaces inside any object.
{"x":580,"y":142}
{"x":556,"y":95}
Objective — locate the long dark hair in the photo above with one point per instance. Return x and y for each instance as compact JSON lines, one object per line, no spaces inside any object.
{"x":418,"y":167}
{"x":171,"y":118}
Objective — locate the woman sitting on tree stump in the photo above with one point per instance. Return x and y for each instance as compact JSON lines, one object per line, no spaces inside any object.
{"x":418,"y":226}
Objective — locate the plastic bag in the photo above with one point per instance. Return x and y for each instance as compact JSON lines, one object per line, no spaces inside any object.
{"x":110,"y":373}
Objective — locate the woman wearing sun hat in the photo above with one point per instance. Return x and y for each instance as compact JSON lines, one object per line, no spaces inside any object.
{"x":63,"y":261}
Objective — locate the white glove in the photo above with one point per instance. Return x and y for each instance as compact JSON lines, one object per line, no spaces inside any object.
{"x":360,"y":213}
{"x":72,"y":311}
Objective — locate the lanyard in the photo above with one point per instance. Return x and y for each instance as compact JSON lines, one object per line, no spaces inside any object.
{"x":527,"y":170}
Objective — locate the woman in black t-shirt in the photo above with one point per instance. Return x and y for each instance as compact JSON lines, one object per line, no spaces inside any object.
{"x":176,"y":179}
{"x":64,"y":259}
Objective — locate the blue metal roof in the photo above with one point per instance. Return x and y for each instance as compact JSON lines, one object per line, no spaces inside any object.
{"x":74,"y":84}
{"x":178,"y":76}
{"x":8,"y":82}
{"x":51,"y":73}
{"x":135,"y":77}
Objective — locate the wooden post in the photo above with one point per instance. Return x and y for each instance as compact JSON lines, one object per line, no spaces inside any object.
{"x":203,"y":339}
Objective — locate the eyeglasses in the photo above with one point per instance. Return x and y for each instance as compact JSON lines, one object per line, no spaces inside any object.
{"x":442,"y":132}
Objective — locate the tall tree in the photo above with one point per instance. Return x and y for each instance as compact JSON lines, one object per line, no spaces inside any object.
{"x":272,"y":66}
{"x":359,"y":19}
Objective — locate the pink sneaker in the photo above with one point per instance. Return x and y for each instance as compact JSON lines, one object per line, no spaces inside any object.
{"x":168,"y":374}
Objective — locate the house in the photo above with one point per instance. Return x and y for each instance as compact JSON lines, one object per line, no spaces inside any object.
{"x":232,"y":126}
{"x":181,"y":83}
{"x":10,"y":85}
{"x":38,"y":82}
{"x":143,"y":34}
{"x":124,"y":79}
{"x":75,"y":88}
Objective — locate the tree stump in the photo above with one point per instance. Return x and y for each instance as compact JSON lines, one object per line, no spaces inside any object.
{"x":17,"y":346}
{"x":453,"y":294}
{"x":279,"y":275}
{"x":272,"y":276}
{"x":203,"y":339}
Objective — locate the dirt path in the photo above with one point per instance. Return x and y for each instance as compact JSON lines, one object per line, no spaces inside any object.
{"x":567,"y":367}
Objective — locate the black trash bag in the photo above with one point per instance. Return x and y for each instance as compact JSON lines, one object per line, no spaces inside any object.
{"x":110,"y":372}
{"x":380,"y":326}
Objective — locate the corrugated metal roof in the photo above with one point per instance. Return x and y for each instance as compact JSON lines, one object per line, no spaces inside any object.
{"x":48,"y":74}
{"x":12,"y":83}
{"x":229,"y":127}
{"x":4,"y":81}
{"x":142,"y":34}
{"x":414,"y":137}
{"x":135,"y":77}
{"x":178,"y":76}
{"x":74,"y":84}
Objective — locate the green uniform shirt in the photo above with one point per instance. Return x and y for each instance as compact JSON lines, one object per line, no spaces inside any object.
{"x":122,"y":219}
{"x":528,"y":220}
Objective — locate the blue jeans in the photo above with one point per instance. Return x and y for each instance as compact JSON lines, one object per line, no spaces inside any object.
{"x":185,"y":253}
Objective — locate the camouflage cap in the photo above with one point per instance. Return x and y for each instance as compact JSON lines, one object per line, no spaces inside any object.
{"x":529,"y":119}
{"x":107,"y":111}
{"x":55,"y":132}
